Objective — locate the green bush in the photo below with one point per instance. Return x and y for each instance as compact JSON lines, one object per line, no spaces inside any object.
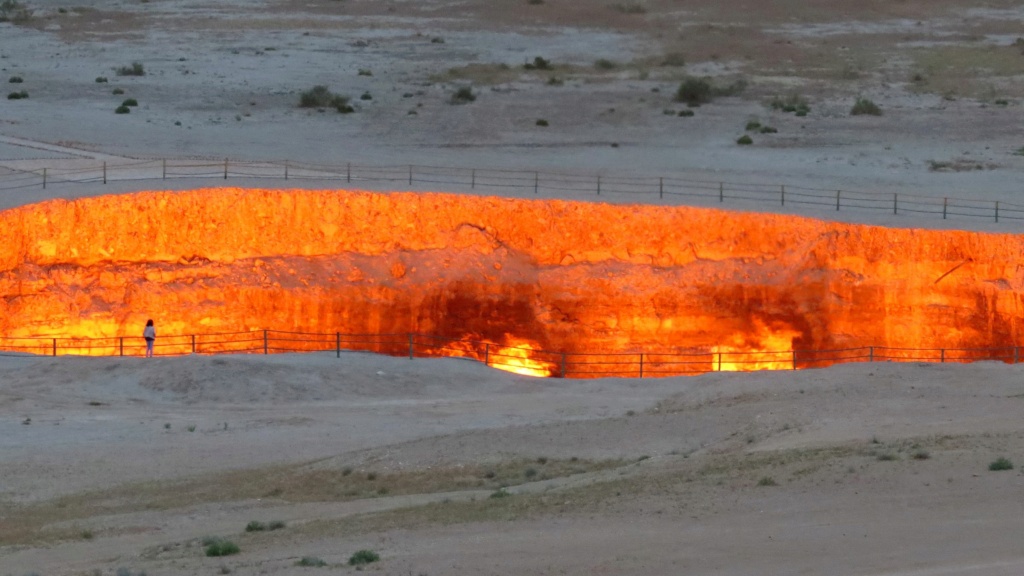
{"x":365,"y":72}
{"x":753,"y":125}
{"x":275,"y":525}
{"x":538,"y":64}
{"x":117,"y":91}
{"x":321,"y":97}
{"x":745,"y":140}
{"x":135,"y":69}
{"x":255,"y":526}
{"x":16,"y":80}
{"x":767,"y":130}
{"x":694,"y":91}
{"x":864,"y":106}
{"x":542,"y":122}
{"x":122,"y":110}
{"x":311,"y":561}
{"x":1000,"y":464}
{"x":686,"y":113}
{"x":366,"y":96}
{"x":101,"y":79}
{"x":130,"y":102}
{"x":605,"y":64}
{"x":362,"y":557}
{"x":17,"y":95}
{"x":220,"y":547}
{"x":463,"y":95}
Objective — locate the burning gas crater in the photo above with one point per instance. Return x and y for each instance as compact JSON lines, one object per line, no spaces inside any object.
{"x":515,"y":277}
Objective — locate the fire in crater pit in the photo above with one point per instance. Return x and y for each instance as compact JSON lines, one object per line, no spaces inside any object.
{"x":545,"y":287}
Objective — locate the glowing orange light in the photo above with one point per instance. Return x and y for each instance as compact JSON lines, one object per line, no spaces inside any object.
{"x":641,"y":289}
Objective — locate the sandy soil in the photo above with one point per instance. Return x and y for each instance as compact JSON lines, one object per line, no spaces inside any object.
{"x":444,"y":466}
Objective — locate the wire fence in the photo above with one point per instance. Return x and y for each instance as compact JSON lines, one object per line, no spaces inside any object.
{"x":522,"y":359}
{"x":674,"y":189}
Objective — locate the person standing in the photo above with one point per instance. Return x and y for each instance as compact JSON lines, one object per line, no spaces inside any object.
{"x":150,"y":335}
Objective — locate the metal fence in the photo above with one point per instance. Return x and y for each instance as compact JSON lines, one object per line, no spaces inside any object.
{"x":517,"y":358}
{"x":675,"y":189}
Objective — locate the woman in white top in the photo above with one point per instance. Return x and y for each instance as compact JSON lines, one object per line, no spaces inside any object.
{"x":150,"y":335}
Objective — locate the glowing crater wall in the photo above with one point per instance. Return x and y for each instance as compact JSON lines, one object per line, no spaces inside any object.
{"x":569,"y":276}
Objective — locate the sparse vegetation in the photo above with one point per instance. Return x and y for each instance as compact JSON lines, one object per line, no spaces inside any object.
{"x":463,"y":95}
{"x":275,"y":525}
{"x":793,"y":103}
{"x":15,"y":12}
{"x":311,"y":561}
{"x":694,"y":91}
{"x":864,"y":106}
{"x":673,"y":59}
{"x":101,"y":79}
{"x":886,"y":457}
{"x":1000,"y":464}
{"x":767,"y":130}
{"x":366,"y":96}
{"x":767,"y":481}
{"x":255,"y":526}
{"x":500,"y":493}
{"x":744,"y":140}
{"x":630,"y":8}
{"x":538,"y":64}
{"x":321,"y":97}
{"x":753,"y":125}
{"x":134,"y":69}
{"x":1019,"y":151}
{"x":534,"y":2}
{"x":219,"y":547}
{"x":921,"y":455}
{"x":117,"y":91}
{"x":361,"y":557}
{"x":605,"y":64}
{"x":542,"y":122}
{"x":365,"y":72}
{"x":685,"y":113}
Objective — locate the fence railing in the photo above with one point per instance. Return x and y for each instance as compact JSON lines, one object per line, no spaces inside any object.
{"x":516,"y":358}
{"x":674,"y":189}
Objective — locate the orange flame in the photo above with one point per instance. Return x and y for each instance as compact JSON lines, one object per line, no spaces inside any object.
{"x":763,"y":348}
{"x":514,"y":355}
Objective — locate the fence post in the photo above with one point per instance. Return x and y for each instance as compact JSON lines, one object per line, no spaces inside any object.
{"x":838,"y":193}
{"x":104,"y":172}
{"x":598,"y":185}
{"x":337,"y":343}
{"x":871,"y":353}
{"x":225,"y":168}
{"x":895,"y":202}
{"x":54,"y":346}
{"x":264,"y":341}
{"x":472,"y":179}
{"x":410,"y":346}
{"x":794,"y":359}
{"x":163,"y":175}
{"x":721,"y":192}
{"x":536,"y":181}
{"x":942,"y":355}
{"x":944,"y":202}
{"x":997,"y":211}
{"x":641,"y":364}
{"x":44,"y":178}
{"x":193,"y":343}
{"x":783,"y":188}
{"x":719,"y":361}
{"x":348,"y":172}
{"x":410,"y":174}
{"x":661,"y":187}
{"x":285,"y":169}
{"x":122,"y":345}
{"x":564,"y":375}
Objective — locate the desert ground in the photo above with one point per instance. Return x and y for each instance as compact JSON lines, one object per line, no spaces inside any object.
{"x":123,"y":466}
